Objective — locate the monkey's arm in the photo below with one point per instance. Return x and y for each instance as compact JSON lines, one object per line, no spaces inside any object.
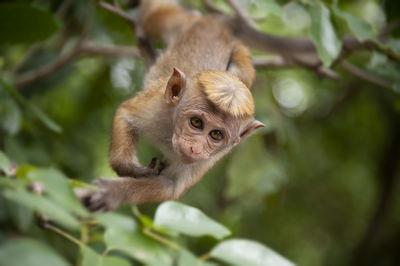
{"x":124,"y":140}
{"x":114,"y":191}
{"x":240,"y":64}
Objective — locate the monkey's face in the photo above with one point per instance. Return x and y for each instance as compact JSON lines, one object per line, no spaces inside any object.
{"x":200,"y":133}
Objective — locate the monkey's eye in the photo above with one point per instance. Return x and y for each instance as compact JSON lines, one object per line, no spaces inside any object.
{"x":196,"y":122}
{"x":216,"y":135}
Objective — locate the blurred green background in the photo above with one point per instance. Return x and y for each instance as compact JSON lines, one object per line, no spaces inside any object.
{"x":319,"y":184}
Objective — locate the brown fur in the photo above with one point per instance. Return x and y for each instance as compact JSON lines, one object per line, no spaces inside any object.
{"x":199,"y":49}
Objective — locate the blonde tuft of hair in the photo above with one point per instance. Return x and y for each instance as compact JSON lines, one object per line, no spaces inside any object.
{"x":227,"y":92}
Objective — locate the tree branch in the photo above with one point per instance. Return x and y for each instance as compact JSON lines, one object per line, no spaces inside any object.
{"x":146,"y":47}
{"x":46,"y":70}
{"x":272,"y":62}
{"x":244,"y":27}
{"x":302,"y":51}
{"x":116,"y":9}
{"x":281,"y":62}
{"x":358,"y":72}
{"x":90,"y":48}
{"x":212,"y":8}
{"x":85,"y":48}
{"x":241,"y":13}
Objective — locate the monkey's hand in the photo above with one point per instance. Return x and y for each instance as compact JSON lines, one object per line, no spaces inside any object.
{"x":153,"y":163}
{"x":107,"y":197}
{"x":138,"y":171}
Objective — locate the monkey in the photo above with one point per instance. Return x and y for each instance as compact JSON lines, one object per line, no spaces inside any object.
{"x":195,"y":106}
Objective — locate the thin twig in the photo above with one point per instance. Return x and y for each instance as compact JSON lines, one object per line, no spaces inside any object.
{"x":272,"y":62}
{"x":63,"y":8}
{"x":116,"y":4}
{"x":147,"y":231}
{"x":146,"y":47}
{"x":281,"y":62}
{"x":46,"y":70}
{"x":358,"y":72}
{"x":327,"y":72}
{"x":241,"y":13}
{"x":117,"y":11}
{"x":205,"y":257}
{"x":64,"y":234}
{"x":86,"y":48}
{"x":103,"y":50}
{"x":212,"y":7}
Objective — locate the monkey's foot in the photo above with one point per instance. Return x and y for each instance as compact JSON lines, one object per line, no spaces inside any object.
{"x":105,"y":198}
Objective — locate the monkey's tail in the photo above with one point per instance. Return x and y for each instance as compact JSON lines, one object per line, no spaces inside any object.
{"x":163,"y":19}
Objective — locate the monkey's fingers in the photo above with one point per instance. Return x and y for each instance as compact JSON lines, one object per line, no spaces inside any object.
{"x":105,"y":197}
{"x":97,"y":206}
{"x":98,"y":203}
{"x":153,"y":163}
{"x":161,"y":166}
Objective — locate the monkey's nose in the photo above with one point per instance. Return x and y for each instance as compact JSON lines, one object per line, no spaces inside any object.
{"x":195,"y":149}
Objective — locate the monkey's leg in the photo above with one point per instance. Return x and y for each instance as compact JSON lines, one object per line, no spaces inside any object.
{"x":114,"y":191}
{"x":124,"y":141}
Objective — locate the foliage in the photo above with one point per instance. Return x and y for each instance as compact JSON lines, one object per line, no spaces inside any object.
{"x":135,"y":236}
{"x":317,"y":184}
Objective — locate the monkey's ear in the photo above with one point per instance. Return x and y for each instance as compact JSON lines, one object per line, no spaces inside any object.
{"x":175,"y":87}
{"x":253,"y":125}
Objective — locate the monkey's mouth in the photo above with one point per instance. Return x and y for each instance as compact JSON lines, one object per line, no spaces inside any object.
{"x":179,"y":150}
{"x":185,"y":158}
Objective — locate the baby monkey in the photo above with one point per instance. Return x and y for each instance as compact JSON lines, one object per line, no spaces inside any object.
{"x":195,"y":106}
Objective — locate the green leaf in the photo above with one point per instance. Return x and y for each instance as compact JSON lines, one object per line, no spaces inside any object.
{"x":23,"y":170}
{"x":47,"y":121}
{"x":361,"y":29}
{"x":56,"y":185}
{"x":21,"y":23}
{"x":323,"y":34}
{"x":137,"y":246}
{"x":10,"y":116}
{"x":74,"y":183}
{"x":23,"y":251}
{"x":246,"y":252}
{"x":261,"y":8}
{"x":114,"y":261}
{"x":89,"y":257}
{"x":32,"y":109}
{"x":187,"y":220}
{"x":116,"y":220}
{"x":42,"y":205}
{"x":92,"y":258}
{"x":295,"y":16}
{"x":12,"y":183}
{"x":21,"y":216}
{"x":187,"y":258}
{"x":5,"y":164}
{"x":148,"y":222}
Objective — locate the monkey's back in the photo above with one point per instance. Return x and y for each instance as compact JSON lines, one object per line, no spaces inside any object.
{"x":205,"y":45}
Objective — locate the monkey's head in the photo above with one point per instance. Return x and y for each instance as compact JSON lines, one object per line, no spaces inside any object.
{"x":213,"y":113}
